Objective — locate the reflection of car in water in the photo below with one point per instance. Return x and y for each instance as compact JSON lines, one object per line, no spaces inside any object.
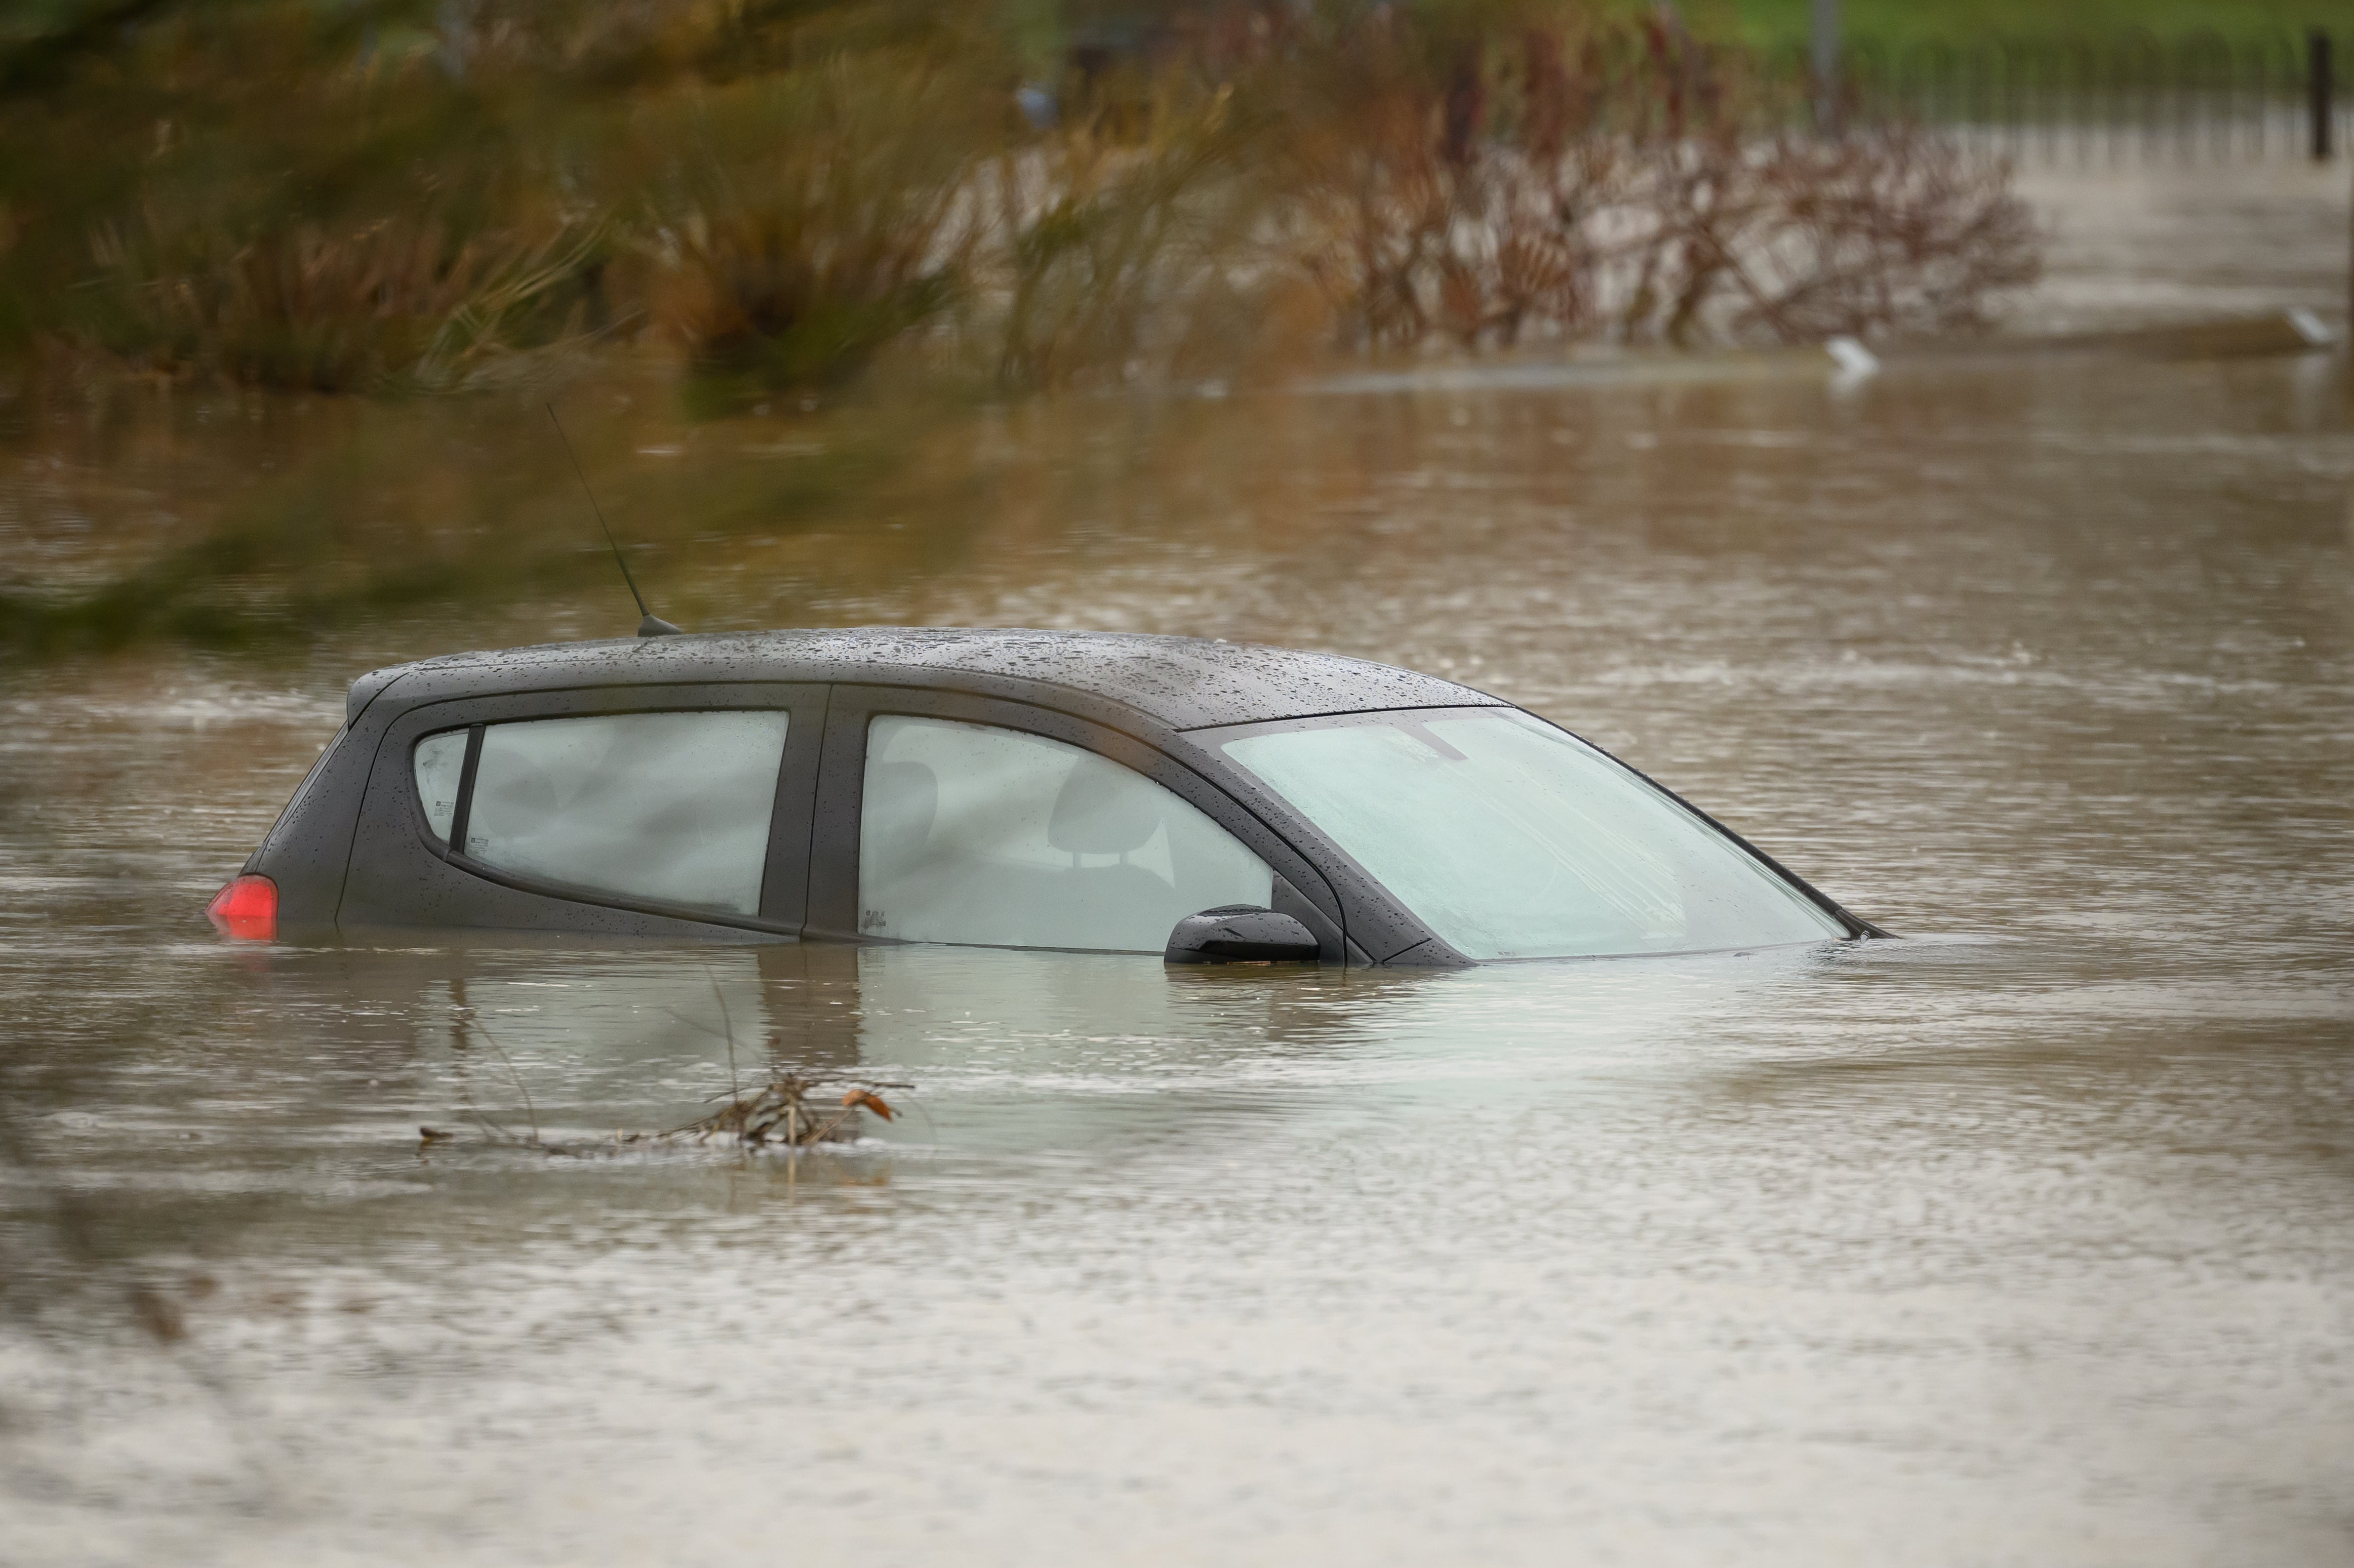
{"x":1079,"y":790}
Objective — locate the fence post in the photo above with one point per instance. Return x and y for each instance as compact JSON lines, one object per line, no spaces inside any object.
{"x":2317,"y":85}
{"x":1824,"y":16}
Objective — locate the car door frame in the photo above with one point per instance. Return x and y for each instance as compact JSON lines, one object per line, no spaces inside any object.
{"x":402,"y":874}
{"x":1300,"y":888}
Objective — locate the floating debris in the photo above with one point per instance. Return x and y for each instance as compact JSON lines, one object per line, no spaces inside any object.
{"x":788,"y":1111}
{"x":781,"y":1112}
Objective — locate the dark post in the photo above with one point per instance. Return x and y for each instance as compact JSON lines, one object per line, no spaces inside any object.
{"x":1823,"y":31}
{"x":2317,"y":85}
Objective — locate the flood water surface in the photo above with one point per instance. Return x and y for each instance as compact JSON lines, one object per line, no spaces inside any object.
{"x":2027,"y":1238}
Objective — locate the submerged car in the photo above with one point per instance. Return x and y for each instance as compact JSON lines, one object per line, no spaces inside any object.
{"x":1202,"y":801}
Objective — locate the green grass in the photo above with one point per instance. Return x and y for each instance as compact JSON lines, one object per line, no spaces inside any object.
{"x":1781,"y":22}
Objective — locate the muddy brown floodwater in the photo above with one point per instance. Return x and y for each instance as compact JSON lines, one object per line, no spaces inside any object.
{"x":2027,"y":1239}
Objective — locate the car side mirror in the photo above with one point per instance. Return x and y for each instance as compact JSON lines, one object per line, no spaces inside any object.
{"x":1240,"y":934}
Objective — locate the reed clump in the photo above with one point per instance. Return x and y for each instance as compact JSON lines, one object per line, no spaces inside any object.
{"x":283,"y":196}
{"x":390,"y":304}
{"x":809,"y":218}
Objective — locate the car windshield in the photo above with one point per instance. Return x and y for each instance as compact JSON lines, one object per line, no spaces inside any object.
{"x":1514,"y":839}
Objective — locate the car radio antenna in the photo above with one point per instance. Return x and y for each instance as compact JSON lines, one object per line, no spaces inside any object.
{"x":652,"y":625}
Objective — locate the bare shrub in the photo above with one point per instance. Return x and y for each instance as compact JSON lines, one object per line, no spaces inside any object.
{"x":1890,"y":231}
{"x":1582,"y":180}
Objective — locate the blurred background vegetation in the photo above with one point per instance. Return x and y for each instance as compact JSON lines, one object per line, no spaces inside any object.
{"x":869,"y":219}
{"x":439,"y":195}
{"x":1961,"y":21}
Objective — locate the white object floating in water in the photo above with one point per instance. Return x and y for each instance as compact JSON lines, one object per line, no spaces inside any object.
{"x":1851,"y":357}
{"x":2310,"y":327}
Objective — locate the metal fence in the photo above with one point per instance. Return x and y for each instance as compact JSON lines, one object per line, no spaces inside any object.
{"x":2135,"y":98}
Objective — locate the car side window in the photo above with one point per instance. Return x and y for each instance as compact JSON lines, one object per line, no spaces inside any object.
{"x":976,"y":834}
{"x":667,"y":806}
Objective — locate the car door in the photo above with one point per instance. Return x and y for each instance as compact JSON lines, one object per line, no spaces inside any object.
{"x":628,"y":810}
{"x":943,"y":817}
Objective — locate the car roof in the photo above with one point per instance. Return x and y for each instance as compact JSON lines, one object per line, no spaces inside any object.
{"x":1181,"y":683}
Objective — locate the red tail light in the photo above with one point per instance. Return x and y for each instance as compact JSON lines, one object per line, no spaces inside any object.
{"x":246,"y":909}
